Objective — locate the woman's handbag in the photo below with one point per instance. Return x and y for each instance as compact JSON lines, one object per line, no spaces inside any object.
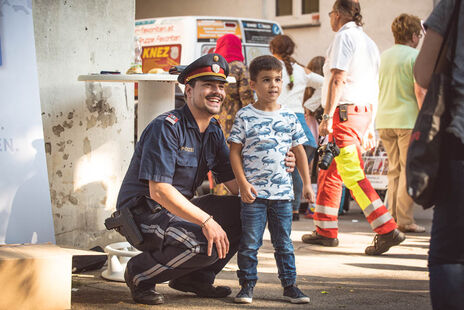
{"x":423,"y":160}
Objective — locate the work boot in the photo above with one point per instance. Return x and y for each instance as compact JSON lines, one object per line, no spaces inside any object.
{"x":382,"y":243}
{"x":293,"y":294}
{"x":315,"y":238}
{"x":146,"y":295}
{"x":200,"y":288}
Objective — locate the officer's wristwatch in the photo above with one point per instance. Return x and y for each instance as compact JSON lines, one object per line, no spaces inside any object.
{"x":326,"y":117}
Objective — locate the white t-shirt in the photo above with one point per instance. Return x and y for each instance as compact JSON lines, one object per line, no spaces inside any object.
{"x":354,"y":52}
{"x":293,"y":98}
{"x":266,"y":137}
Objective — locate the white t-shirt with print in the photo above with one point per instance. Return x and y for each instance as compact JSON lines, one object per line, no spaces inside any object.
{"x":355,"y":53}
{"x":266,"y":137}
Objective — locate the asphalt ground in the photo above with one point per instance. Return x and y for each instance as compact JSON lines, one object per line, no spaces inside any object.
{"x":334,"y":278}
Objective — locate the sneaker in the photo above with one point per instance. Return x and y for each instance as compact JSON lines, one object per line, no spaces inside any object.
{"x":200,"y":288}
{"x":245,"y":296}
{"x":412,"y":228}
{"x":315,"y":238}
{"x":382,"y":243}
{"x":146,"y":296}
{"x":293,"y":294}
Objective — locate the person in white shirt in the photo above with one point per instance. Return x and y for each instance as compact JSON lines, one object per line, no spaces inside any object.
{"x":349,"y":98}
{"x":295,"y":79}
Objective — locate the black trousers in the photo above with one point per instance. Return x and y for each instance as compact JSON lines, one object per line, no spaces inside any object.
{"x":175,"y":248}
{"x":446,"y":255}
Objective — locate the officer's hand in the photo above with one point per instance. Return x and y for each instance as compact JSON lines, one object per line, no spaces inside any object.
{"x":325,"y":127}
{"x":248,"y":193}
{"x":290,"y":161}
{"x":216,"y":235}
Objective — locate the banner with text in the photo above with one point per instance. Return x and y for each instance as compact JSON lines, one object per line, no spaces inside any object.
{"x":25,"y":207}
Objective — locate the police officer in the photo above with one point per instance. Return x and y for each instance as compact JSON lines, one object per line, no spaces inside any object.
{"x":187,"y":241}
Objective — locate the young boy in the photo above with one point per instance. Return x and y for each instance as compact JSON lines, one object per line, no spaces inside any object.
{"x":261,"y":136}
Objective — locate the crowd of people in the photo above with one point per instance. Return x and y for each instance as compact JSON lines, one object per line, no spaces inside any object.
{"x":258,"y":137}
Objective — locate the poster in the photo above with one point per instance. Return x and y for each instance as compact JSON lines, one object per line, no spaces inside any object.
{"x":25,"y":207}
{"x":160,"y":56}
{"x":210,"y":30}
{"x":376,"y":166}
{"x":260,"y":32}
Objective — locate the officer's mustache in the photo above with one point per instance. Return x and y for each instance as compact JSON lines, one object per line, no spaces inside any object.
{"x":217,"y":95}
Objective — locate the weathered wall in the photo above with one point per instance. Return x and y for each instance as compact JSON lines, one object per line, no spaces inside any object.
{"x":311,"y":41}
{"x":88,"y":127}
{"x":240,"y":8}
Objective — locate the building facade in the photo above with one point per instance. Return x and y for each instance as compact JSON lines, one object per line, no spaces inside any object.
{"x":306,"y":21}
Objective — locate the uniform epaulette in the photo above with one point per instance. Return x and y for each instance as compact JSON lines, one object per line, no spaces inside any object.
{"x":171,"y":118}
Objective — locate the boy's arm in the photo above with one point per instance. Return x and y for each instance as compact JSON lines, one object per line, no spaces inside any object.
{"x":303,"y":169}
{"x":246,"y":189}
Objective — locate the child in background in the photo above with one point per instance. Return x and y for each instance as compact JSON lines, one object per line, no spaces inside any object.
{"x":295,"y":79}
{"x":261,"y":136}
{"x":313,"y":114}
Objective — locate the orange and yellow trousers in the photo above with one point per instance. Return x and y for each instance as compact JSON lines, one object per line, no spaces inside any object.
{"x":348,"y":168}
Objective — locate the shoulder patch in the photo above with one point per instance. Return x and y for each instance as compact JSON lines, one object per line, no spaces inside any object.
{"x":171,"y":118}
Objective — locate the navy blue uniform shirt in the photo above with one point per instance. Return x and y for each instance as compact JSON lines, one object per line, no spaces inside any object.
{"x":172,"y":150}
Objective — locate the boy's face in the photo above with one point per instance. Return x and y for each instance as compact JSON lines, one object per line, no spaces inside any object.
{"x":267,"y":86}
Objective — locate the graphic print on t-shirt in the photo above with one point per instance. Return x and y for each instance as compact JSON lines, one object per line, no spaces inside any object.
{"x":266,"y":138}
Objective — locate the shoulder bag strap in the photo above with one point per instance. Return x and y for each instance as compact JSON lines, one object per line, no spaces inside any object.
{"x":442,"y":61}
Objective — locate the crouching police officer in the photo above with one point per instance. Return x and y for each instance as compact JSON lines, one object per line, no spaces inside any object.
{"x":184,"y":240}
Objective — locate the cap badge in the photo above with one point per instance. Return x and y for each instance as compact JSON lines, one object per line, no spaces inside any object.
{"x":215,"y":68}
{"x":215,"y":58}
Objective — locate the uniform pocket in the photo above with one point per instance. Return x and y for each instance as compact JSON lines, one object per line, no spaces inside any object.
{"x":186,"y":170}
{"x":186,"y":160}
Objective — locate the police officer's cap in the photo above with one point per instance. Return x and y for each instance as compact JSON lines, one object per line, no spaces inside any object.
{"x":211,"y":67}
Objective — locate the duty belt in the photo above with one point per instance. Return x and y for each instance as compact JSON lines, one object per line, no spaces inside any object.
{"x":123,"y":220}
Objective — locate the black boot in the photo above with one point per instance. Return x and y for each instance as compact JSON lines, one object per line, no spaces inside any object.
{"x":200,"y":288}
{"x":147,"y":295}
{"x":315,"y":238}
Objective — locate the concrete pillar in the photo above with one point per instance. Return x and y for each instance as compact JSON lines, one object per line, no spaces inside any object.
{"x":88,"y":127}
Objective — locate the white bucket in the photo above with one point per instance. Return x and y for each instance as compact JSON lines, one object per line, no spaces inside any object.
{"x":119,"y":254}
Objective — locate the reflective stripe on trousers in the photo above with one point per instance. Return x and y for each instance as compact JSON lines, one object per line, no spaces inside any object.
{"x":348,"y":166}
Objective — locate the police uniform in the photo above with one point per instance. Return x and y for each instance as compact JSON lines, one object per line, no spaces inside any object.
{"x":172,"y":150}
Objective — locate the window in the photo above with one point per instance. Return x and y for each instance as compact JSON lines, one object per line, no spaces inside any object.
{"x":294,"y":13}
{"x":309,"y":6}
{"x":284,"y":7}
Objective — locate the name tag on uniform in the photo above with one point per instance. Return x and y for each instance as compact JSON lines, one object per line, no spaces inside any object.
{"x":186,"y":149}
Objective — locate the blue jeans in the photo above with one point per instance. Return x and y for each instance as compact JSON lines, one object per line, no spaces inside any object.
{"x":447,"y":286}
{"x":254,"y":217}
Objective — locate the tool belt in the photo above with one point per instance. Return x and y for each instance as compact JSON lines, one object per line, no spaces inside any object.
{"x":123,"y":220}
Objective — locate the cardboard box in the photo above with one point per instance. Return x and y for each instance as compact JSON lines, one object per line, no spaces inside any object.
{"x":35,"y":277}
